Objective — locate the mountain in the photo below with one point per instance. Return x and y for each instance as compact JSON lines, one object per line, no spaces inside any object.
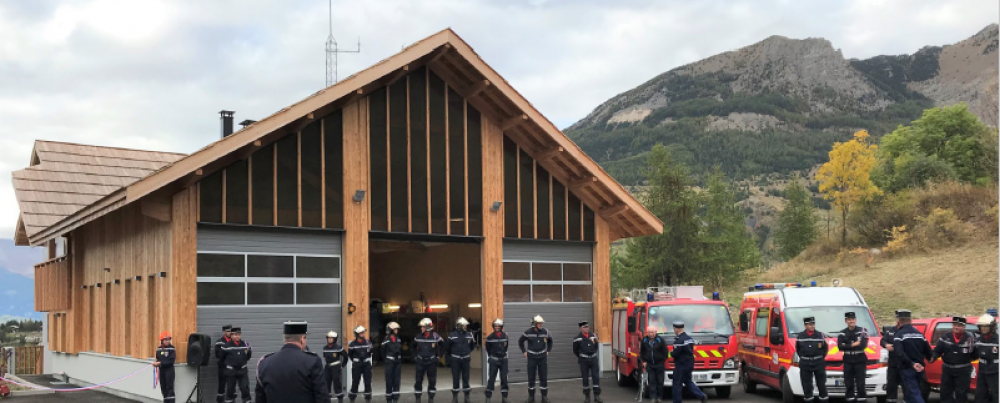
{"x":17,"y":290}
{"x":778,"y":105}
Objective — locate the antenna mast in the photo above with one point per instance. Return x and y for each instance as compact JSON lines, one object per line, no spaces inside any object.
{"x":331,"y":53}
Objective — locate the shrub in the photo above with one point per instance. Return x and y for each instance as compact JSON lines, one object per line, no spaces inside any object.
{"x":821,"y":249}
{"x":874,"y":219}
{"x":940,"y":228}
{"x":898,"y":240}
{"x":969,"y":203}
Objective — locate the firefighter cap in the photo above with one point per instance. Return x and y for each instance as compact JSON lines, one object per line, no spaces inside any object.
{"x":293,"y":328}
{"x":584,"y":324}
{"x":165,"y":335}
{"x":426,"y":322}
{"x":809,"y":320}
{"x":237,"y":329}
{"x":537,"y":319}
{"x":903,"y":313}
{"x":227,"y":328}
{"x":462,"y":322}
{"x":331,"y":335}
{"x":678,"y":324}
{"x":986,"y":320}
{"x":392,"y":325}
{"x":498,"y":322}
{"x":850,"y":315}
{"x":959,"y":320}
{"x":359,"y":330}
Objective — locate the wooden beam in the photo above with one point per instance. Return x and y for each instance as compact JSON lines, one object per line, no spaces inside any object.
{"x":183,"y":270}
{"x":157,"y":209}
{"x":493,"y":224}
{"x":476,"y":88}
{"x":409,"y":162}
{"x":447,"y":163}
{"x":357,"y":220}
{"x":602,"y":277}
{"x":511,"y":122}
{"x":548,"y":154}
{"x":439,"y":53}
{"x":396,"y":75}
{"x":580,"y":183}
{"x":257,"y":143}
{"x":298,"y":172}
{"x":322,"y":173}
{"x":611,"y":211}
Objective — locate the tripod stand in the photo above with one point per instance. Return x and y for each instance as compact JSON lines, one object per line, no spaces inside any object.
{"x":197,"y":389}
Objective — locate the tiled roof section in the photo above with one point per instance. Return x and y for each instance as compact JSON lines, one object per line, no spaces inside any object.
{"x":64,"y":178}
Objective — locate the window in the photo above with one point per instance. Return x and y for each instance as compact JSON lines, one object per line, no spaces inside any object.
{"x":776,"y":321}
{"x":745,"y":321}
{"x":547,"y":282}
{"x":762,"y":321}
{"x":226,"y":278}
{"x":945,"y":328}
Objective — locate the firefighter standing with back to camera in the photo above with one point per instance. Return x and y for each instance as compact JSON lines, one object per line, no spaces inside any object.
{"x":459,"y":348}
{"x":957,"y":351}
{"x":892,"y":367}
{"x":236,"y":354}
{"x":912,"y":349}
{"x":536,"y":344}
{"x":427,"y":348}
{"x":292,"y":374}
{"x":853,"y":341}
{"x":585,"y":348}
{"x":496,"y":357}
{"x":392,"y":356}
{"x":986,"y":345}
{"x":165,"y":358}
{"x":360,"y":354}
{"x":333,"y":353}
{"x":811,"y":347}
{"x":683,"y":355}
{"x":227,"y":333}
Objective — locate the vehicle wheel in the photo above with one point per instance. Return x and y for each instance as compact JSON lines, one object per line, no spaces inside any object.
{"x":882,"y":399}
{"x":623,"y":380}
{"x":723,"y":392}
{"x":786,"y":390}
{"x":749,"y":386}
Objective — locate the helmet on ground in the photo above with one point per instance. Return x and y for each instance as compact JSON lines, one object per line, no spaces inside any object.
{"x":498,"y":322}
{"x":332,"y":334}
{"x":426,"y":322}
{"x":360,"y":329}
{"x":986,"y":320}
{"x":165,"y":335}
{"x":537,"y":319}
{"x":462,"y":322}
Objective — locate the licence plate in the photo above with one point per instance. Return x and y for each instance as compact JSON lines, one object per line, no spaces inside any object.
{"x":701,"y":377}
{"x":837,"y":381}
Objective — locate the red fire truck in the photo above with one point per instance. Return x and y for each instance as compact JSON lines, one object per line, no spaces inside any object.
{"x":708,"y":323}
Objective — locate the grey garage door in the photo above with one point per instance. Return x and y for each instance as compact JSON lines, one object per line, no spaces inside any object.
{"x":547,"y":267}
{"x":307,"y":251}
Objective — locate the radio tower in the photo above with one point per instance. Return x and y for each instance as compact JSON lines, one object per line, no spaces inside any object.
{"x":332,"y":51}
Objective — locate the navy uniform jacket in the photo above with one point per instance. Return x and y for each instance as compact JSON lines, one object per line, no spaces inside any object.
{"x":219,"y":356}
{"x":853,"y":355}
{"x":586,"y":346}
{"x":334,"y":356}
{"x":653,"y":351}
{"x":887,"y":339}
{"x":496,"y":345}
{"x":360,"y":351}
{"x":460,"y":344}
{"x":535,"y":341}
{"x":683,"y":353}
{"x":812,"y":349}
{"x":910,"y":347}
{"x":392,"y":348}
{"x":291,"y":375}
{"x":952,"y":353}
{"x":987,"y":347}
{"x":427,"y":346}
{"x":166,"y":356}
{"x":236,"y":355}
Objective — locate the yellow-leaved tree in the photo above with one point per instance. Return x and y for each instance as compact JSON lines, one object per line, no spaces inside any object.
{"x":845,"y":179}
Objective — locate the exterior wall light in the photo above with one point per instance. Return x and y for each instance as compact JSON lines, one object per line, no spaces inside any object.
{"x":359,"y":196}
{"x":496,"y":206}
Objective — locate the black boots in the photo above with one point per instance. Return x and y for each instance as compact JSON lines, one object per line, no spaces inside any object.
{"x":597,"y":399}
{"x":586,"y":398}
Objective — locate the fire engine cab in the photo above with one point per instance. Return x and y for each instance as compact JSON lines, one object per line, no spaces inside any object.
{"x":771,"y":315}
{"x":708,"y":323}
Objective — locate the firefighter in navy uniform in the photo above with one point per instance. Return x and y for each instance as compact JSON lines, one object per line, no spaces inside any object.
{"x":427,"y":348}
{"x":653,"y":354}
{"x":912,"y":349}
{"x":536,"y":344}
{"x":360,"y":354}
{"x":165,"y":358}
{"x":496,"y":356}
{"x":459,"y":347}
{"x":292,"y":374}
{"x":957,"y":350}
{"x":683,"y":355}
{"x":812,"y":349}
{"x":221,"y":387}
{"x":235,"y":355}
{"x":892,"y":367}
{"x":333,"y":354}
{"x":853,"y":341}
{"x":392,"y":355}
{"x":986,"y":344}
{"x":585,"y":348}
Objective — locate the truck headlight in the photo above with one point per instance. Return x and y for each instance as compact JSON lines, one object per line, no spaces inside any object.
{"x":730,"y":363}
{"x":883,"y":356}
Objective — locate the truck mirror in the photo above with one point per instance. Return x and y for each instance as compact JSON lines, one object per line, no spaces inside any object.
{"x":631,"y":323}
{"x":776,"y":336}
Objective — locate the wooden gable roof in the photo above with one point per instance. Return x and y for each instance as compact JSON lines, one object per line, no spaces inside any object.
{"x":451,"y":58}
{"x":64,"y":178}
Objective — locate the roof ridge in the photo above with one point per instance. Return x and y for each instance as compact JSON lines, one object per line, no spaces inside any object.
{"x":109,"y":147}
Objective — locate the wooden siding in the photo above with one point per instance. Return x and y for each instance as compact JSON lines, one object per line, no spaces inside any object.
{"x":52,"y":285}
{"x":357,"y":220}
{"x":183,"y":276}
{"x":602,"y":280}
{"x":493,"y":225}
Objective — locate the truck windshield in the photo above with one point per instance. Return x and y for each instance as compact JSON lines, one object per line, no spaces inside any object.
{"x":829,"y":319}
{"x":698,"y":319}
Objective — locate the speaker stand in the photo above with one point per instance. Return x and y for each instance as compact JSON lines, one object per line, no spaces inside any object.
{"x":197,"y":389}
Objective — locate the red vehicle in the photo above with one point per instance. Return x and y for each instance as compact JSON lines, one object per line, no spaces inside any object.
{"x":933,"y":329}
{"x":708,"y":323}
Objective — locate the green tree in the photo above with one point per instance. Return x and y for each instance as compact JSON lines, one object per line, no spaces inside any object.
{"x":796,"y":223}
{"x":727,"y":246}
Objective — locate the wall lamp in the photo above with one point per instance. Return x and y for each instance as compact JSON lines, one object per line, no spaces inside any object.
{"x":475,"y":305}
{"x":359,"y":196}
{"x":496,"y":206}
{"x":351,"y":308}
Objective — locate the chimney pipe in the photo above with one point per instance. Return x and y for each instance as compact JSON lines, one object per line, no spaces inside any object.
{"x":227,"y":122}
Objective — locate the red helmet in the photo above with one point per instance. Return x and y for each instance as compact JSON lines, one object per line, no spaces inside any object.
{"x":165,"y":335}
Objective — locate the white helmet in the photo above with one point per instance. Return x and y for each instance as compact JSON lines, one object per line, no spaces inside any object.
{"x":332,"y":334}
{"x":392,"y":326}
{"x":360,"y":329}
{"x":537,"y":319}
{"x":426,"y":322}
{"x":986,"y":320}
{"x":498,"y":322}
{"x":462,"y":322}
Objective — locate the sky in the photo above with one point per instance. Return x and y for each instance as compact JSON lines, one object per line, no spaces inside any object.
{"x":153,"y":74}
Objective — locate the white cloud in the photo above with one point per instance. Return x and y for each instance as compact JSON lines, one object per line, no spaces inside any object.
{"x":151,"y":74}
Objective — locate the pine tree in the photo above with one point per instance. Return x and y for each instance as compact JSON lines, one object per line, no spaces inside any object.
{"x":727,"y":246}
{"x":796,"y":224}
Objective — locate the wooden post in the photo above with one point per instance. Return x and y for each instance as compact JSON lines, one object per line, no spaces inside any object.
{"x":602,"y":278}
{"x":493,"y":224}
{"x":182,"y":276}
{"x":357,"y":220}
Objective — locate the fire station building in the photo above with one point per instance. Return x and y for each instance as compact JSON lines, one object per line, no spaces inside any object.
{"x":423,"y":186}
